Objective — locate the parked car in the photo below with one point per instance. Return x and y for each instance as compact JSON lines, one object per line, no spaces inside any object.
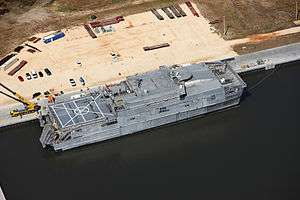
{"x":81,"y":80}
{"x":41,"y":74}
{"x":21,"y":78}
{"x":72,"y":81}
{"x":28,"y":76}
{"x":37,"y":94}
{"x":34,"y":74}
{"x":48,"y":72}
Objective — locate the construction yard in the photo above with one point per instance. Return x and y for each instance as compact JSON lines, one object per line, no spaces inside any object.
{"x":113,"y":56}
{"x":120,"y":52}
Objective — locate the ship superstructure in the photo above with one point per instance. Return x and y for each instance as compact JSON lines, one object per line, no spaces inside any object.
{"x":163,"y":96}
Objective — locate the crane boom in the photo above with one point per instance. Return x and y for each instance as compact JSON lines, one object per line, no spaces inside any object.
{"x":21,"y":98}
{"x":11,"y":97}
{"x":30,"y":107}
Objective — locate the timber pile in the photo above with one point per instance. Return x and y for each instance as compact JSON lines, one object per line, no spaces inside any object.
{"x":183,"y":14}
{"x":158,"y":16}
{"x":89,"y":30}
{"x":168,"y":13}
{"x":175,"y":12}
{"x":149,"y":48}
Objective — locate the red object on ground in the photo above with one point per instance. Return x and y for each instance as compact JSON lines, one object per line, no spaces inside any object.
{"x":107,"y":22}
{"x":17,"y":68}
{"x":21,"y":78}
{"x":120,"y":18}
{"x":189,"y":4}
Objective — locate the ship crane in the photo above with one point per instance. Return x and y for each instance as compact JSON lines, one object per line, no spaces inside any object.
{"x":30,"y":107}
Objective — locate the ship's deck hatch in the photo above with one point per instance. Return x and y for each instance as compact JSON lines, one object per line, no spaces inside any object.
{"x":79,"y":111}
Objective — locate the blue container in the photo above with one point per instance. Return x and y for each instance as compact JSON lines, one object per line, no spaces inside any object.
{"x":53,"y":37}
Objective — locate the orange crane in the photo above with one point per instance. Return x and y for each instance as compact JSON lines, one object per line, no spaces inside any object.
{"x":30,"y":107}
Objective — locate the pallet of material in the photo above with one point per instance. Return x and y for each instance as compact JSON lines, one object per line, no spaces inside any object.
{"x":32,"y":39}
{"x":18,"y":49}
{"x":17,"y":68}
{"x":31,"y":50}
{"x":148,"y":48}
{"x":175,"y":12}
{"x":89,"y":30}
{"x":190,"y":6}
{"x":158,"y":16}
{"x":168,"y":13}
{"x":107,"y":22}
{"x":183,"y":14}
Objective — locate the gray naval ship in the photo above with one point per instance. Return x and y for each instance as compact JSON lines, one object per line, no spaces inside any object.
{"x":167,"y":95}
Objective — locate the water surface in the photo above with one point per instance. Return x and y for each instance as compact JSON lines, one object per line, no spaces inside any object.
{"x":250,"y":152}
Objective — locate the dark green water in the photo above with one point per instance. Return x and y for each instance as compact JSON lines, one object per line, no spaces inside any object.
{"x":250,"y":152}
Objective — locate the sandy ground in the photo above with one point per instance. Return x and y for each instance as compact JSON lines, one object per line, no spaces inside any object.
{"x":191,"y":40}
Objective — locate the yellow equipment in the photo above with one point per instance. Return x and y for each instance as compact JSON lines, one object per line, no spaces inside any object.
{"x":30,"y":107}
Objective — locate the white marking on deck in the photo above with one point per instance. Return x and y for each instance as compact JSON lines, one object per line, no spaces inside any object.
{"x":98,"y":106}
{"x":70,"y":115}
{"x":57,"y":116}
{"x":79,"y":111}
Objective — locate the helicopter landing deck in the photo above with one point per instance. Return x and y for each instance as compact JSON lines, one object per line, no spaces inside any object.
{"x":78,"y":111}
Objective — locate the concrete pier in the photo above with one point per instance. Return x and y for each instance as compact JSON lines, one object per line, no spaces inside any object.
{"x":266,"y":59}
{"x":2,"y":197}
{"x":261,"y":60}
{"x":6,"y":119}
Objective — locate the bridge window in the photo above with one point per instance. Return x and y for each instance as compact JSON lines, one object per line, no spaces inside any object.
{"x":163,"y":109}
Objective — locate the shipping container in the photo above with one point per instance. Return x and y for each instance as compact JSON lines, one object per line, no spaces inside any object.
{"x":6,"y":58}
{"x":9,"y":63}
{"x":52,"y":37}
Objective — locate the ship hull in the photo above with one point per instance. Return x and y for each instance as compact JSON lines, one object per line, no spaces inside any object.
{"x":138,"y":127}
